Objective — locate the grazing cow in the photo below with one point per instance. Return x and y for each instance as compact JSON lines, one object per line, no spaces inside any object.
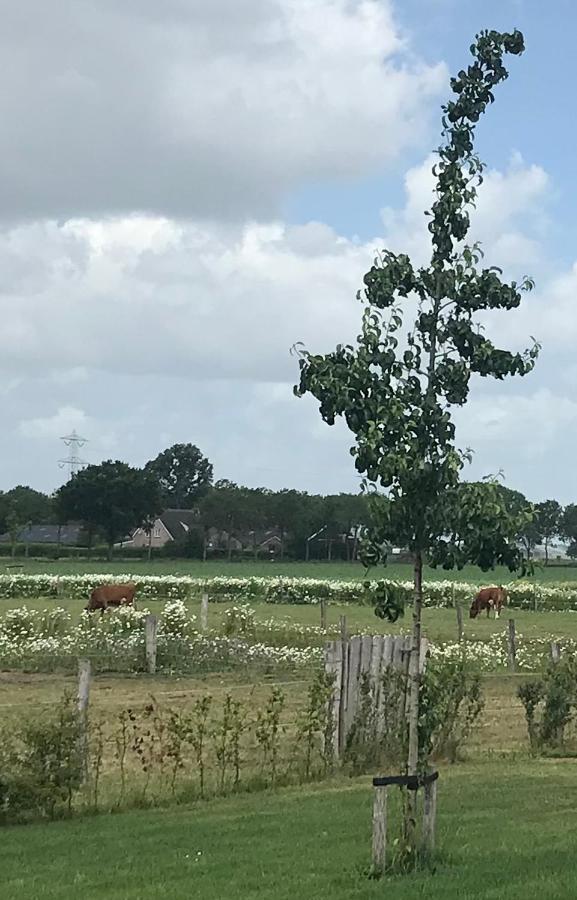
{"x":111,"y":595}
{"x":488,"y":598}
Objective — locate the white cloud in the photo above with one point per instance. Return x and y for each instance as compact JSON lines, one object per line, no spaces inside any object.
{"x":526,"y":424}
{"x":509,"y":204}
{"x":183,"y":299}
{"x":210,"y":109}
{"x":65,"y":420}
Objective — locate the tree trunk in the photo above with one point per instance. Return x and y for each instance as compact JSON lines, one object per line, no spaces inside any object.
{"x":13,"y":548}
{"x":204,"y":543}
{"x":413,"y":716}
{"x":229,"y":546}
{"x":330,"y":550}
{"x":307,"y":551}
{"x":546,"y":551}
{"x":110,"y":550}
{"x":150,"y":545}
{"x":282,"y":544}
{"x":254,"y":547}
{"x":58,"y":542}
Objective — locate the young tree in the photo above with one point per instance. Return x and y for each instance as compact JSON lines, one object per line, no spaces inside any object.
{"x":548,"y":517}
{"x":183,"y":473}
{"x":396,"y":390}
{"x":112,"y":499}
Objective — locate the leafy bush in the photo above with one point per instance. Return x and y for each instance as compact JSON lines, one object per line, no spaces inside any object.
{"x":239,"y":621}
{"x":550,"y":704}
{"x":42,"y":765}
{"x":450,"y":704}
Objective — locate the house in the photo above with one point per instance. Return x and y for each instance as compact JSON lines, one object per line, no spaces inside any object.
{"x":172,"y":525}
{"x":69,"y":535}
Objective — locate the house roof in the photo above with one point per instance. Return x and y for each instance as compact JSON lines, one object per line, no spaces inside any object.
{"x":46,"y":534}
{"x":178,"y":522}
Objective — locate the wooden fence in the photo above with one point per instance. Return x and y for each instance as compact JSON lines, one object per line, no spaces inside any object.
{"x":350,"y":661}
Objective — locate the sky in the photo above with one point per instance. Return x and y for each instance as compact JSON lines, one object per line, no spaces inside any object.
{"x":187,"y":189}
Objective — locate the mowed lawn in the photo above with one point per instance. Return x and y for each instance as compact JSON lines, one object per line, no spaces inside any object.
{"x":505,"y":830}
{"x":336,"y":570}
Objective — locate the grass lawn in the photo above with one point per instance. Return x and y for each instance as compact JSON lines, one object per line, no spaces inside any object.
{"x":505,"y":829}
{"x":336,"y":570}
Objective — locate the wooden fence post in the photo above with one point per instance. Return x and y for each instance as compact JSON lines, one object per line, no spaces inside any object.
{"x":459,"y":609}
{"x":151,"y":633}
{"x":204,"y":612}
{"x":511,"y":646}
{"x":555,"y":651}
{"x":342,"y":733}
{"x":84,"y":675}
{"x":429,"y":815}
{"x":334,"y":668}
{"x":323,"y":613}
{"x":379,"y":830}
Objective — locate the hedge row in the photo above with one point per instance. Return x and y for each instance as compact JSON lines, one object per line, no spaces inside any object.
{"x":522,"y":594}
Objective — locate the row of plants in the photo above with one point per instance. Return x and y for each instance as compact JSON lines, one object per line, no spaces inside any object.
{"x":51,"y":640}
{"x":522,"y":594}
{"x":57,"y":763}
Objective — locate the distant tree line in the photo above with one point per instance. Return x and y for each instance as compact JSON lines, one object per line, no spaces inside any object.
{"x":112,"y":499}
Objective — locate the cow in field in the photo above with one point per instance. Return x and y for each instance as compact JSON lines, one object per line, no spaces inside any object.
{"x":488,"y":598}
{"x":111,"y":595}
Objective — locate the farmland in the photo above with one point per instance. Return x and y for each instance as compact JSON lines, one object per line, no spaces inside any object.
{"x":331,"y":817}
{"x":335,"y":570}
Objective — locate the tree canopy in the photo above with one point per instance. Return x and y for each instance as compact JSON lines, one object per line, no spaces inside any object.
{"x":184,"y":475}
{"x":111,"y":499}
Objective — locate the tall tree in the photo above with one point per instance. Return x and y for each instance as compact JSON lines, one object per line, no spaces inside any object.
{"x":183,"y":473}
{"x":111,"y":499}
{"x":517,"y":505}
{"x":24,"y":504}
{"x":395,"y":390}
{"x":287,"y":510}
{"x":568,"y":526}
{"x":548,"y":517}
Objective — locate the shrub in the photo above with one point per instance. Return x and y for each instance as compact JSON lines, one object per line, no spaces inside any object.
{"x":550,"y":704}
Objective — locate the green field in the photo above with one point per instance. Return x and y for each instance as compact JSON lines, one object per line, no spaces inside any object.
{"x":337,"y":570}
{"x":438,"y":624}
{"x":505,"y":829}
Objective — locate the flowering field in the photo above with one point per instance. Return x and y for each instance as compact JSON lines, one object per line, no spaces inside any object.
{"x":282,"y":590}
{"x":50,"y":640}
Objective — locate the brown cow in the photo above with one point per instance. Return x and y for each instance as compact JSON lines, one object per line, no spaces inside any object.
{"x":111,"y":595}
{"x":488,"y":598}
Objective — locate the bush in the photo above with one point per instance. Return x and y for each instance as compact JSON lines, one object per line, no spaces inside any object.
{"x":42,"y":765}
{"x":550,"y":705}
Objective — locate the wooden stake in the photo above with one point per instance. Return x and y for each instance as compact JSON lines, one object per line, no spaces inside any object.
{"x":204,"y":613}
{"x":459,"y":610}
{"x":342,"y":733}
{"x":555,"y":651}
{"x":151,"y":632}
{"x":429,"y":816}
{"x":84,"y":675}
{"x":323,"y":613}
{"x":511,"y":646}
{"x":379,"y":830}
